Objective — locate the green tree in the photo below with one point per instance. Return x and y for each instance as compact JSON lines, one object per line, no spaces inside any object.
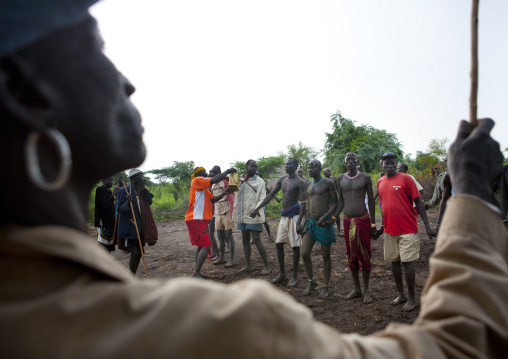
{"x":304,"y":154}
{"x":179,"y":175}
{"x":425,"y":160}
{"x":438,"y":148}
{"x":268,"y":167}
{"x":368,"y":142}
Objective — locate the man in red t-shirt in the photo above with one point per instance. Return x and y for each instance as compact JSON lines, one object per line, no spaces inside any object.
{"x":397,"y":192}
{"x":200,"y":212}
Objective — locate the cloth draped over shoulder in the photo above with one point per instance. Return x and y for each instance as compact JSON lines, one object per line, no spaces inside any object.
{"x":291,"y":211}
{"x":357,"y":234}
{"x":141,"y":201}
{"x":324,"y":235}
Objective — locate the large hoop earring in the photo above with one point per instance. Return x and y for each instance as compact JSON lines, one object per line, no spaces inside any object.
{"x":32,"y":160}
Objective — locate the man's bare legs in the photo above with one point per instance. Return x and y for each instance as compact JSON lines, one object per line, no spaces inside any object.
{"x":201,"y":253}
{"x":280,"y":257}
{"x":327,"y":270}
{"x":231,"y":241}
{"x":256,"y":236}
{"x":267,"y":227}
{"x":222,"y":242}
{"x":296,"y":263}
{"x":246,"y":251}
{"x":256,"y":240}
{"x":307,"y":245}
{"x":357,"y":292}
{"x":410,"y":281}
{"x":211,"y":234}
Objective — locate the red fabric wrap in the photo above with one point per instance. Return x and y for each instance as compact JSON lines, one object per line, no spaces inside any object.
{"x":198,"y":232}
{"x":358,"y":248}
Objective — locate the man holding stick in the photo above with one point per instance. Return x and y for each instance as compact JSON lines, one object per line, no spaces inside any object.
{"x":136,"y":224}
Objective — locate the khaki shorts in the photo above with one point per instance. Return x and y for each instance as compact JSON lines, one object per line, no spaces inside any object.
{"x":223,"y":222}
{"x":403,"y":247}
{"x":287,"y":232}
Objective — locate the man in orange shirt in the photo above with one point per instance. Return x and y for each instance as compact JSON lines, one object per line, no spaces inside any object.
{"x":200,"y":212}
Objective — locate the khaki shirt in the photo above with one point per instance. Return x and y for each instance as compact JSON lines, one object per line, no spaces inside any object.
{"x":64,"y":297}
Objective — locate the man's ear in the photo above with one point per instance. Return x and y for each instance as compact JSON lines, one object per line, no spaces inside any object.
{"x":21,"y":96}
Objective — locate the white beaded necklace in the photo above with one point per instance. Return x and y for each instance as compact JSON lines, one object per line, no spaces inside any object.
{"x":351,"y":178}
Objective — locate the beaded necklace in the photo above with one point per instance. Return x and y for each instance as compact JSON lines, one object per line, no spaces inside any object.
{"x":351,"y":178}
{"x":315,"y":184}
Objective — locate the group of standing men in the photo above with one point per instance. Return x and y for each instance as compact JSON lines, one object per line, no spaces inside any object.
{"x":310,"y":211}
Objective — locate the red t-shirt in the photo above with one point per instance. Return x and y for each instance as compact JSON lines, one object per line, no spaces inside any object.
{"x":396,"y":195}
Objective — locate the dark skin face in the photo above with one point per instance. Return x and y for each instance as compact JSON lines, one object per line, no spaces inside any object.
{"x":87,"y":102}
{"x":251,"y":169}
{"x":401,"y":168}
{"x":390,"y":166}
{"x":137,"y":180}
{"x":108,"y":182}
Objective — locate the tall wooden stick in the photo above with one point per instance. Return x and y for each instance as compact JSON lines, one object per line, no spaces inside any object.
{"x":133,"y":220}
{"x":473,"y":98}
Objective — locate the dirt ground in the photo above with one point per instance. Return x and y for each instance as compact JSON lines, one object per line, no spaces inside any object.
{"x":173,"y":256}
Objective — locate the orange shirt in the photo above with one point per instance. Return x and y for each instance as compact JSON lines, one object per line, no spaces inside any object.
{"x":200,"y":206}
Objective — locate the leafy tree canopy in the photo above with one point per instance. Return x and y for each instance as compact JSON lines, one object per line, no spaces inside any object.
{"x":368,"y":142}
{"x":179,"y":172}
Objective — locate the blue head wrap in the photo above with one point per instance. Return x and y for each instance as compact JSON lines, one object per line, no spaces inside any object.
{"x":23,"y":22}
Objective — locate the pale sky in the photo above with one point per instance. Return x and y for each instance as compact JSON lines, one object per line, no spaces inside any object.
{"x":219,"y":81}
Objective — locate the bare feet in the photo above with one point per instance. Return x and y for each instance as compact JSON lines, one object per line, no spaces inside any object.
{"x":219,"y":261}
{"x":409,"y":306}
{"x":324,"y":292}
{"x":399,"y":300}
{"x":247,"y":269}
{"x":265,"y":271}
{"x":280,"y":278}
{"x":354,"y":294}
{"x":229,"y":264}
{"x":311,"y":287}
{"x":366,"y":297}
{"x":293,"y":282}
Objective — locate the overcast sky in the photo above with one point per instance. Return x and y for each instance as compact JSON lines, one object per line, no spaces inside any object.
{"x":219,"y":81}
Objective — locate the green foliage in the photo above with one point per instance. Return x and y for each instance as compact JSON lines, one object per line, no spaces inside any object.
{"x":268,"y":167}
{"x":436,"y":152}
{"x":368,"y":142}
{"x":425,"y":160}
{"x":437,"y":147}
{"x":304,"y":154}
{"x":179,"y":175}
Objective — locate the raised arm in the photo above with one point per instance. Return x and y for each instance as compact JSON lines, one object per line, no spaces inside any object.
{"x":221,"y":176}
{"x":268,"y":197}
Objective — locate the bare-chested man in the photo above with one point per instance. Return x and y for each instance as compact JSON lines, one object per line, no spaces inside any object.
{"x":359,"y":226}
{"x":293,"y":190}
{"x":321,"y":204}
{"x":328,"y":174}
